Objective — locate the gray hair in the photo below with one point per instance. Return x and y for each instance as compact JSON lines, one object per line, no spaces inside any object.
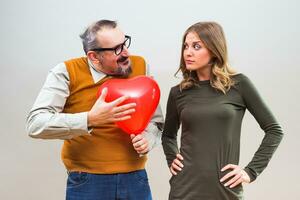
{"x":89,"y":36}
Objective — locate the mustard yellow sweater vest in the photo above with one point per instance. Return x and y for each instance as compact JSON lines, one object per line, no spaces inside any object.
{"x":108,"y":149}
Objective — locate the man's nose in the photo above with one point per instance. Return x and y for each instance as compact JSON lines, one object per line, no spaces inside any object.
{"x":125,"y":51}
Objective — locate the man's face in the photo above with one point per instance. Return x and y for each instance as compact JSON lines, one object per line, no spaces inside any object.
{"x":110,"y":63}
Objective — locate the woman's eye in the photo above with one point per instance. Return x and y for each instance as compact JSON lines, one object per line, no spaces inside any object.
{"x":197,"y":46}
{"x":185,"y":46}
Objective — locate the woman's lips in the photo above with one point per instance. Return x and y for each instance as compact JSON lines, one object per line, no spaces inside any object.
{"x":189,"y":62}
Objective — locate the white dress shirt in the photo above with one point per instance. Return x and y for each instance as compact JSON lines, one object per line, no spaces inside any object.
{"x":46,"y":120}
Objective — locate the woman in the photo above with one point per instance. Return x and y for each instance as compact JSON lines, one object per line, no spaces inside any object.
{"x":209,"y":104}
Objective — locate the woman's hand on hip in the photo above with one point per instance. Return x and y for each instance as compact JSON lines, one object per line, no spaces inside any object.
{"x":237,"y":176}
{"x":176,"y":164}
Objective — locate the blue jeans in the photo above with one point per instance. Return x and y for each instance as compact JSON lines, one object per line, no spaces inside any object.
{"x":129,"y":186}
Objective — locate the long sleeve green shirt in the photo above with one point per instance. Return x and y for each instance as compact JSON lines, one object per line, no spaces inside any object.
{"x":211,"y":129}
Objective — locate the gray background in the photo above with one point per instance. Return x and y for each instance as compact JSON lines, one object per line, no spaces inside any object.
{"x":263,"y":41}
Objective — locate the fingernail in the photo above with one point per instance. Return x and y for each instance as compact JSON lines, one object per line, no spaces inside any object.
{"x":225,"y":184}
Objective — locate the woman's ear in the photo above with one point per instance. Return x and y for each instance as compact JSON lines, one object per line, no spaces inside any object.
{"x":212,"y":61}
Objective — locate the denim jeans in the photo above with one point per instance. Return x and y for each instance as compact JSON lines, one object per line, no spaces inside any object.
{"x":129,"y":186}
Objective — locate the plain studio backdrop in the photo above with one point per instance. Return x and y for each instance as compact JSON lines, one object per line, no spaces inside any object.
{"x":263,"y":43}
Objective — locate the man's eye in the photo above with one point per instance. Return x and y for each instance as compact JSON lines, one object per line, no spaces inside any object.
{"x":119,"y":47}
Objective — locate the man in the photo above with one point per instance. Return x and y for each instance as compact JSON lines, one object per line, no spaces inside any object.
{"x":102,"y":162}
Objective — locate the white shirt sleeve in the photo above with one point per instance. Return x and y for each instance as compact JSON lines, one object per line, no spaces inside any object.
{"x":46,"y":120}
{"x":153,"y":131}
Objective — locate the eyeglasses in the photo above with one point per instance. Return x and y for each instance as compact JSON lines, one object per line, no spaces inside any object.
{"x":118,"y":49}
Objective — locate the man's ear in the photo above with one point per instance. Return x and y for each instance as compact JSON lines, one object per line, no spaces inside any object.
{"x":92,"y":56}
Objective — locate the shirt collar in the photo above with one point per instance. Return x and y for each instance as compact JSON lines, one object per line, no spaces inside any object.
{"x":96,"y":74}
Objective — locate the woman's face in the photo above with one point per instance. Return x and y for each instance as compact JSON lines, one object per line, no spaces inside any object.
{"x":196,"y":55}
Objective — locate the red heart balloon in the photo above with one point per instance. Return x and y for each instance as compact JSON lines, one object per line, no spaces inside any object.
{"x":143,"y":91}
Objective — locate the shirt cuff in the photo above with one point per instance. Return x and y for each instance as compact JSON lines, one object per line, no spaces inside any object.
{"x":153,"y":135}
{"x":78,"y":123}
{"x":251,"y":173}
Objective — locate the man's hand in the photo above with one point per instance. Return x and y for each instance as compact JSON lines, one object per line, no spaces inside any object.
{"x":103,"y":112}
{"x":237,"y":176}
{"x":140,"y":143}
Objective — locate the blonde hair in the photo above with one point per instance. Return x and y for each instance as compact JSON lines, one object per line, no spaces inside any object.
{"x":212,"y":36}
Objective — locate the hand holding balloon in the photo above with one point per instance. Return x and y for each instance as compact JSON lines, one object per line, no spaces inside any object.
{"x":141,"y":90}
{"x":140,"y":143}
{"x":103,"y":112}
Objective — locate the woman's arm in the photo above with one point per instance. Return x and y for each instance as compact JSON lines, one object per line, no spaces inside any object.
{"x":172,"y":123}
{"x":267,"y":122}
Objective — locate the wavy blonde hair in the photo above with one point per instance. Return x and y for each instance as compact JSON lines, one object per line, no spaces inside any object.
{"x":212,"y":36}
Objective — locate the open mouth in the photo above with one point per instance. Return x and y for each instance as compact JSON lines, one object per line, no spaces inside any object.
{"x":124,"y":61}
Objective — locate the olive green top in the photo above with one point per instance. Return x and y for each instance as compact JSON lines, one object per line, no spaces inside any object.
{"x":211,"y":129}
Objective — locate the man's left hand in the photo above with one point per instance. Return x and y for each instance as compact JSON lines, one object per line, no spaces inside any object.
{"x":140,"y":143}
